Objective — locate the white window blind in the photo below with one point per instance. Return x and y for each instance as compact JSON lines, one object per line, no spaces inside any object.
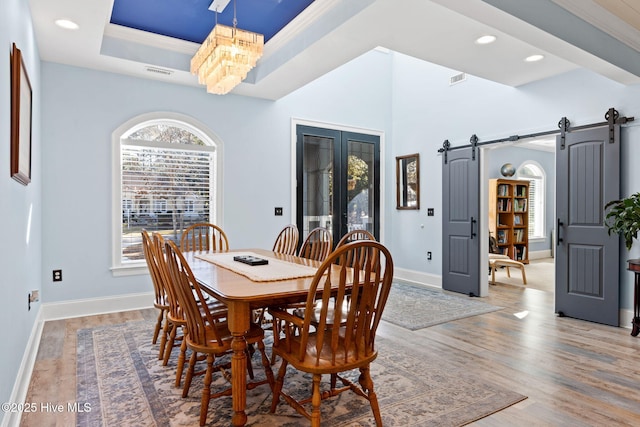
{"x":535,"y":176}
{"x":165,"y":187}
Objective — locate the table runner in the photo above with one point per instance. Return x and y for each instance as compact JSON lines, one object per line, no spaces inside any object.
{"x":275,"y":270}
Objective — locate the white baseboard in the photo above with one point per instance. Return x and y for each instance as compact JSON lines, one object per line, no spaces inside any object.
{"x":418,"y":277}
{"x":625,"y":317}
{"x":23,"y":378}
{"x":546,"y":253}
{"x":92,"y":306}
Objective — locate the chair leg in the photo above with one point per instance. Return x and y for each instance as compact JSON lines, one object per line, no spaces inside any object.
{"x":367,"y":384}
{"x":166,"y":330}
{"x":156,"y":332}
{"x":275,"y":331}
{"x":524,"y":276}
{"x":169,"y":347}
{"x":277,"y":387}
{"x":190,"y":369}
{"x":316,"y":399}
{"x":206,"y":391}
{"x":267,"y":366}
{"x":508,"y":272}
{"x":249,"y":365}
{"x":181,"y":358}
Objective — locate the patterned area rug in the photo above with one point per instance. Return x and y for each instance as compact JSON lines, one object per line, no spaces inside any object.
{"x":120,"y":376}
{"x":416,"y":307}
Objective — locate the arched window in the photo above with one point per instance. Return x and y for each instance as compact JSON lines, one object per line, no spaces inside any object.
{"x":534,"y":173}
{"x":165,"y":178}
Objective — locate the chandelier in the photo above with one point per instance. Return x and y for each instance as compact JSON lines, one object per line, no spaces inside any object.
{"x":226,"y":56}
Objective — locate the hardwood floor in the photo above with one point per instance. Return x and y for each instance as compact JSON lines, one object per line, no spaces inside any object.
{"x":574,"y":373}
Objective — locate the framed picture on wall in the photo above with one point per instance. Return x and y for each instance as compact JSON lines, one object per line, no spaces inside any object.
{"x":20,"y":119}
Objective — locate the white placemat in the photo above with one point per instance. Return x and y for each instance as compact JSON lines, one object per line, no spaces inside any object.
{"x":276,"y":269}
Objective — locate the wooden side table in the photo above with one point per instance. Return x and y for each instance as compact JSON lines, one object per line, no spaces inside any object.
{"x":634,"y":265}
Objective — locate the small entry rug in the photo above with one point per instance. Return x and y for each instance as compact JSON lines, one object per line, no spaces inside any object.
{"x":415,"y":307}
{"x":121,"y":378}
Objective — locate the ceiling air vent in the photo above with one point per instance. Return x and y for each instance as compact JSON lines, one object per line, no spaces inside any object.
{"x":458,"y":78}
{"x":159,"y":71}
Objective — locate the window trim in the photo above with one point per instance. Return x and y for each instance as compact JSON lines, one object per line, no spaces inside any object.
{"x":148,"y":119}
{"x":543,"y":190}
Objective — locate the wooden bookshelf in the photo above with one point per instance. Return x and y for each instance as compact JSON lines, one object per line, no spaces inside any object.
{"x":509,"y":217}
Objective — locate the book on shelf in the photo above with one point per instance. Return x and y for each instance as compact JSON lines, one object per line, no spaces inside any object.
{"x":503,"y":190}
{"x":519,"y":205}
{"x":504,"y":205}
{"x":518,"y":235}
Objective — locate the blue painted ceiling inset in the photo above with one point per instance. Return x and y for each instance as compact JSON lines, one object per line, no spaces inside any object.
{"x":192,"y":20}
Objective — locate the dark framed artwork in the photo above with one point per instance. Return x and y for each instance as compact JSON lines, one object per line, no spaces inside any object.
{"x":20,"y":119}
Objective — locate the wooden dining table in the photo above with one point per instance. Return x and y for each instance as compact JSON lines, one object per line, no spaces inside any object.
{"x":242,"y":295}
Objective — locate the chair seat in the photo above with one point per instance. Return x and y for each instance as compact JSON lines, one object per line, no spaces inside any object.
{"x":255,"y":334}
{"x":507,"y":262}
{"x":330,"y":361}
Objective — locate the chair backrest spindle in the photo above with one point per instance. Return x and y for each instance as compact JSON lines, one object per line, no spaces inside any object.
{"x":204,"y":237}
{"x":317,"y":245}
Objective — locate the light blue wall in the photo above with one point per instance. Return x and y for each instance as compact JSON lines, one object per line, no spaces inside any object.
{"x":81,"y":109}
{"x":426,"y":111}
{"x":20,"y":209}
{"x":546,"y":160}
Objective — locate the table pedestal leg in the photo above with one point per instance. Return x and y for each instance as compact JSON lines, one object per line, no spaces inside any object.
{"x":239,"y":379}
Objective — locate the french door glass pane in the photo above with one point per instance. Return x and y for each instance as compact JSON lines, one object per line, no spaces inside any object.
{"x":317,"y":183}
{"x":360,"y":189}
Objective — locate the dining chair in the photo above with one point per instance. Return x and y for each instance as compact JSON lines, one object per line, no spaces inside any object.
{"x":287,"y":240}
{"x":286,"y":243}
{"x":160,"y":301}
{"x":317,"y":245}
{"x":360,"y":294}
{"x":351,"y":236}
{"x":204,"y":236}
{"x":173,"y":333}
{"x":205,"y":333}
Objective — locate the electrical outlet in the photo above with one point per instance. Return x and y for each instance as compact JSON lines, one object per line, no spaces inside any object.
{"x":57,"y":275}
{"x":428,"y":256}
{"x":278,"y":211}
{"x":429,"y":211}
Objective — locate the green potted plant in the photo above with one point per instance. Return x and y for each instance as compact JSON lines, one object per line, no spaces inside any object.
{"x":623,"y":218}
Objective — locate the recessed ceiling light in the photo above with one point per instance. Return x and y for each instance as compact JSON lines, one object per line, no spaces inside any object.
{"x":67,"y":24}
{"x":485,"y":39}
{"x":534,"y":58}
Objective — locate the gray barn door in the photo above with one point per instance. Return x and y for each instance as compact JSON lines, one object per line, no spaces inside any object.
{"x":461,"y":209}
{"x":587,"y":258}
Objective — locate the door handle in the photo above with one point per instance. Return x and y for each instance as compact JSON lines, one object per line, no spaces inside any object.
{"x":473,"y":221}
{"x":558,"y":238}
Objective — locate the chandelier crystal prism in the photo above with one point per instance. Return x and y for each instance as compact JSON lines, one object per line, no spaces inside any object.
{"x":226,"y":56}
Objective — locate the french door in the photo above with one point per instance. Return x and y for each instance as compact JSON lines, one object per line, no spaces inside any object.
{"x":338,"y":181}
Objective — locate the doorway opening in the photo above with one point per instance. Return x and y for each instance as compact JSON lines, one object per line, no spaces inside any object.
{"x":533,"y":160}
